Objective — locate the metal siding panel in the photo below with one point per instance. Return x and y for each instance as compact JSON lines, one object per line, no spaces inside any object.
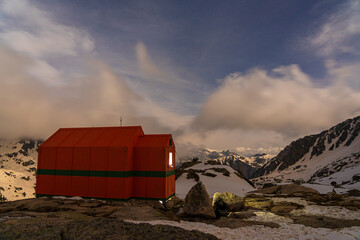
{"x":172,"y":185}
{"x":157,"y":159}
{"x":81,"y":161}
{"x":98,"y":159}
{"x":47,"y":158}
{"x":98,"y":162}
{"x":64,"y":158}
{"x":63,"y":162}
{"x":117,"y":160}
{"x":118,"y":187}
{"x":98,"y":187}
{"x":140,"y":187}
{"x":63,"y":185}
{"x":140,"y":158}
{"x":156,"y":187}
{"x":45,"y":184}
{"x":140,"y":184}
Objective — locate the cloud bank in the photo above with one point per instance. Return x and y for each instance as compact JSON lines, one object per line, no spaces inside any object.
{"x":37,"y":97}
{"x":284,"y":100}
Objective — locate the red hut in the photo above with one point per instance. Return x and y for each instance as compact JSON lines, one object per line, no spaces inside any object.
{"x":106,"y":162}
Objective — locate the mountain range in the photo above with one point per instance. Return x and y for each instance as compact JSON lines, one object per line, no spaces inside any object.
{"x":329,"y":157}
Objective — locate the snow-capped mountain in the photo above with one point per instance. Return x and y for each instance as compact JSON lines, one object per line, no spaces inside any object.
{"x":18,"y":159}
{"x":247,"y":165}
{"x":330,"y":156}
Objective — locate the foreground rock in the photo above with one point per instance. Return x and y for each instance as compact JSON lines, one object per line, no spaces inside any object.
{"x":97,"y":228}
{"x":51,"y":218}
{"x":325,"y":222}
{"x":258,"y":203}
{"x":197,"y":202}
{"x":293,"y":190}
{"x":284,"y":208}
{"x":227,"y":201}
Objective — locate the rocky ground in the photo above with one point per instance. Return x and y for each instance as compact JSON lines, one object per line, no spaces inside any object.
{"x":278,"y":207}
{"x":49,"y":218}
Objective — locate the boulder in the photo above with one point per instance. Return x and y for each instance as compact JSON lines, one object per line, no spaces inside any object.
{"x":198,"y":203}
{"x":227,"y":201}
{"x":258,"y":203}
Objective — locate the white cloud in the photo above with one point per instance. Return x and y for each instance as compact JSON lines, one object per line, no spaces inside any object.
{"x":37,"y":97}
{"x":341,"y":31}
{"x":284,"y":100}
{"x":30,"y":107}
{"x":30,"y":30}
{"x":147,"y":65}
{"x":344,"y":73}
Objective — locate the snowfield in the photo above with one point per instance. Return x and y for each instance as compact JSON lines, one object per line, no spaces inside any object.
{"x":18,"y":161}
{"x":220,"y":183}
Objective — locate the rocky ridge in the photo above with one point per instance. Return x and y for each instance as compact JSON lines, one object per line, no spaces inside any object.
{"x":311,"y":158}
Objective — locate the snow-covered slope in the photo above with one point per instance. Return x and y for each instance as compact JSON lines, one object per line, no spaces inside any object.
{"x":247,"y":165}
{"x":216,"y":178}
{"x":332,"y":155}
{"x":18,"y":159}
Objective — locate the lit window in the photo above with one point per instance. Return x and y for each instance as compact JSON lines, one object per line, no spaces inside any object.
{"x":170,"y":159}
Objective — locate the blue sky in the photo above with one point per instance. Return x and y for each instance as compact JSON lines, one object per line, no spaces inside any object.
{"x":250,"y":75}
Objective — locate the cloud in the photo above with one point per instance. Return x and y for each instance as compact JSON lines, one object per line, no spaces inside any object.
{"x":341,"y":31}
{"x":147,"y":66}
{"x":284,"y":100}
{"x":345,"y":73}
{"x":37,"y":96}
{"x":30,"y":30}
{"x":31,"y":107}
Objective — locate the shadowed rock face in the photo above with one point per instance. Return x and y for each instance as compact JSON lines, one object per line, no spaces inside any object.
{"x":289,"y":156}
{"x":197,"y":202}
